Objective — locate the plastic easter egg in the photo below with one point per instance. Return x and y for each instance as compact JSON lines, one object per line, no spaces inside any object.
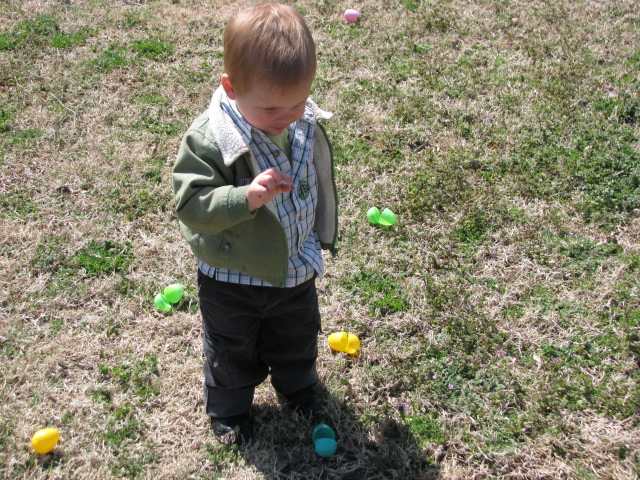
{"x":161,"y":303}
{"x":325,"y":447}
{"x":338,"y":341}
{"x":373,"y":215}
{"x":173,"y":293}
{"x":43,"y":441}
{"x":323,"y":431}
{"x":353,"y":344}
{"x":387,"y":217}
{"x":351,"y":15}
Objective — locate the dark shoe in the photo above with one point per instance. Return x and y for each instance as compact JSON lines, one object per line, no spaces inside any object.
{"x":308,"y":401}
{"x":234,"y":430}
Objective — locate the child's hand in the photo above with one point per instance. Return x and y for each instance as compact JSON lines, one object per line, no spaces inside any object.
{"x":266,"y":186}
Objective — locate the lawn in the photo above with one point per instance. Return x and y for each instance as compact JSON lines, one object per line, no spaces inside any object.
{"x":499,"y":318}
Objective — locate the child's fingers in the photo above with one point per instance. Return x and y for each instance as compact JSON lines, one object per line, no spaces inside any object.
{"x":280,"y":178}
{"x":266,"y":186}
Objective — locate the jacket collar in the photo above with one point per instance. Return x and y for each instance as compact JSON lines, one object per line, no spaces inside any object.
{"x":227,"y":137}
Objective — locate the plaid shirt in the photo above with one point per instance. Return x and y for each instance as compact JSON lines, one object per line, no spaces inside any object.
{"x":296,"y":210}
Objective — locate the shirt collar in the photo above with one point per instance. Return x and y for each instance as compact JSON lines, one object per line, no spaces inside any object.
{"x":312,"y":113}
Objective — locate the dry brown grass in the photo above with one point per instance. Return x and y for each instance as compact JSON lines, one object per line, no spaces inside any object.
{"x":448,"y":93}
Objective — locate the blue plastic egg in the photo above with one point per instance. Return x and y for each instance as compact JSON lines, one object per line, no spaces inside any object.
{"x":325,"y":447}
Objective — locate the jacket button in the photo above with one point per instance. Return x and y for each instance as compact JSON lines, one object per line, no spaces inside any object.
{"x":226,"y":247}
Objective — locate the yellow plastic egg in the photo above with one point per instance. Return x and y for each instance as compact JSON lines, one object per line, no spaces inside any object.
{"x":353,"y":344}
{"x":43,"y":441}
{"x":338,"y":341}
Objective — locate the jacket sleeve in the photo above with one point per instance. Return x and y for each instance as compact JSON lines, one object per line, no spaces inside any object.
{"x":206,"y":199}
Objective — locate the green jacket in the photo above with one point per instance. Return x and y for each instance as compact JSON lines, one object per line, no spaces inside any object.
{"x":212,"y":206}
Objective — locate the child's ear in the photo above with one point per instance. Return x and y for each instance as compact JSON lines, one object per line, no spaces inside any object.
{"x":228,"y":88}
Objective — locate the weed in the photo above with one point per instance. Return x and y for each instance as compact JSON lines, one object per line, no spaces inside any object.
{"x":382,"y":294}
{"x":100,"y":395}
{"x":620,"y":110}
{"x":152,"y":98}
{"x":50,"y":256}
{"x":102,"y":258}
{"x":221,"y":457}
{"x":124,"y":431}
{"x":113,"y":327}
{"x":132,"y":19}
{"x":6,"y":120}
{"x":436,"y":189}
{"x":583,"y":255}
{"x":355,"y":151}
{"x":136,"y":201}
{"x":110,"y":59}
{"x":139,"y":378}
{"x":157,"y":127}
{"x":472,"y":228}
{"x":425,"y":428}
{"x":18,"y":204}
{"x":40,"y":31}
{"x":124,"y":427}
{"x":153,"y":48}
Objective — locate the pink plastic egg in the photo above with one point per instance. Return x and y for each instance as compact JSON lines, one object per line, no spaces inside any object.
{"x":351,"y":15}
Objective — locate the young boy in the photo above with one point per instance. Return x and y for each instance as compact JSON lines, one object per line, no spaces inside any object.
{"x":256,"y":199}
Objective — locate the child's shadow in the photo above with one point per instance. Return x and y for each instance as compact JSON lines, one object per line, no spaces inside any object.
{"x":282,"y":448}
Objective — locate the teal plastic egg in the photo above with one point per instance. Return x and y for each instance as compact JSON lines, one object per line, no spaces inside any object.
{"x":325,"y":447}
{"x":323,"y":431}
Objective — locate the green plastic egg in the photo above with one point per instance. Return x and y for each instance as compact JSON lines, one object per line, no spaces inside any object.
{"x":161,"y":303}
{"x":173,"y":293}
{"x":387,"y":217}
{"x":373,"y":215}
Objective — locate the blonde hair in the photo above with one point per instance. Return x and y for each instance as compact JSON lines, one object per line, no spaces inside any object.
{"x":269,"y":42}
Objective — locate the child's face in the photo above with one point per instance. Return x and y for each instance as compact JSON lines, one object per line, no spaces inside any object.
{"x":270,"y":109}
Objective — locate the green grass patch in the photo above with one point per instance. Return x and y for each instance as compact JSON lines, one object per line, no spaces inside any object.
{"x":425,"y":428}
{"x":221,"y":458}
{"x":42,"y":31}
{"x":114,"y":57}
{"x":125,"y":433}
{"x":578,"y":255}
{"x":139,"y":378}
{"x":435,"y":187}
{"x":157,"y":127}
{"x":6,"y":120}
{"x":600,"y":164}
{"x":153,"y":49}
{"x":382,"y":294}
{"x":18,"y":204}
{"x":103,"y":258}
{"x":136,"y":201}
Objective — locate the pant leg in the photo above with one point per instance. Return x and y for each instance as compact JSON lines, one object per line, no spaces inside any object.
{"x":231,"y":320}
{"x":289,"y":336}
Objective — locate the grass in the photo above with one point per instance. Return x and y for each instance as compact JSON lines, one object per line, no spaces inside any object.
{"x":498,"y":317}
